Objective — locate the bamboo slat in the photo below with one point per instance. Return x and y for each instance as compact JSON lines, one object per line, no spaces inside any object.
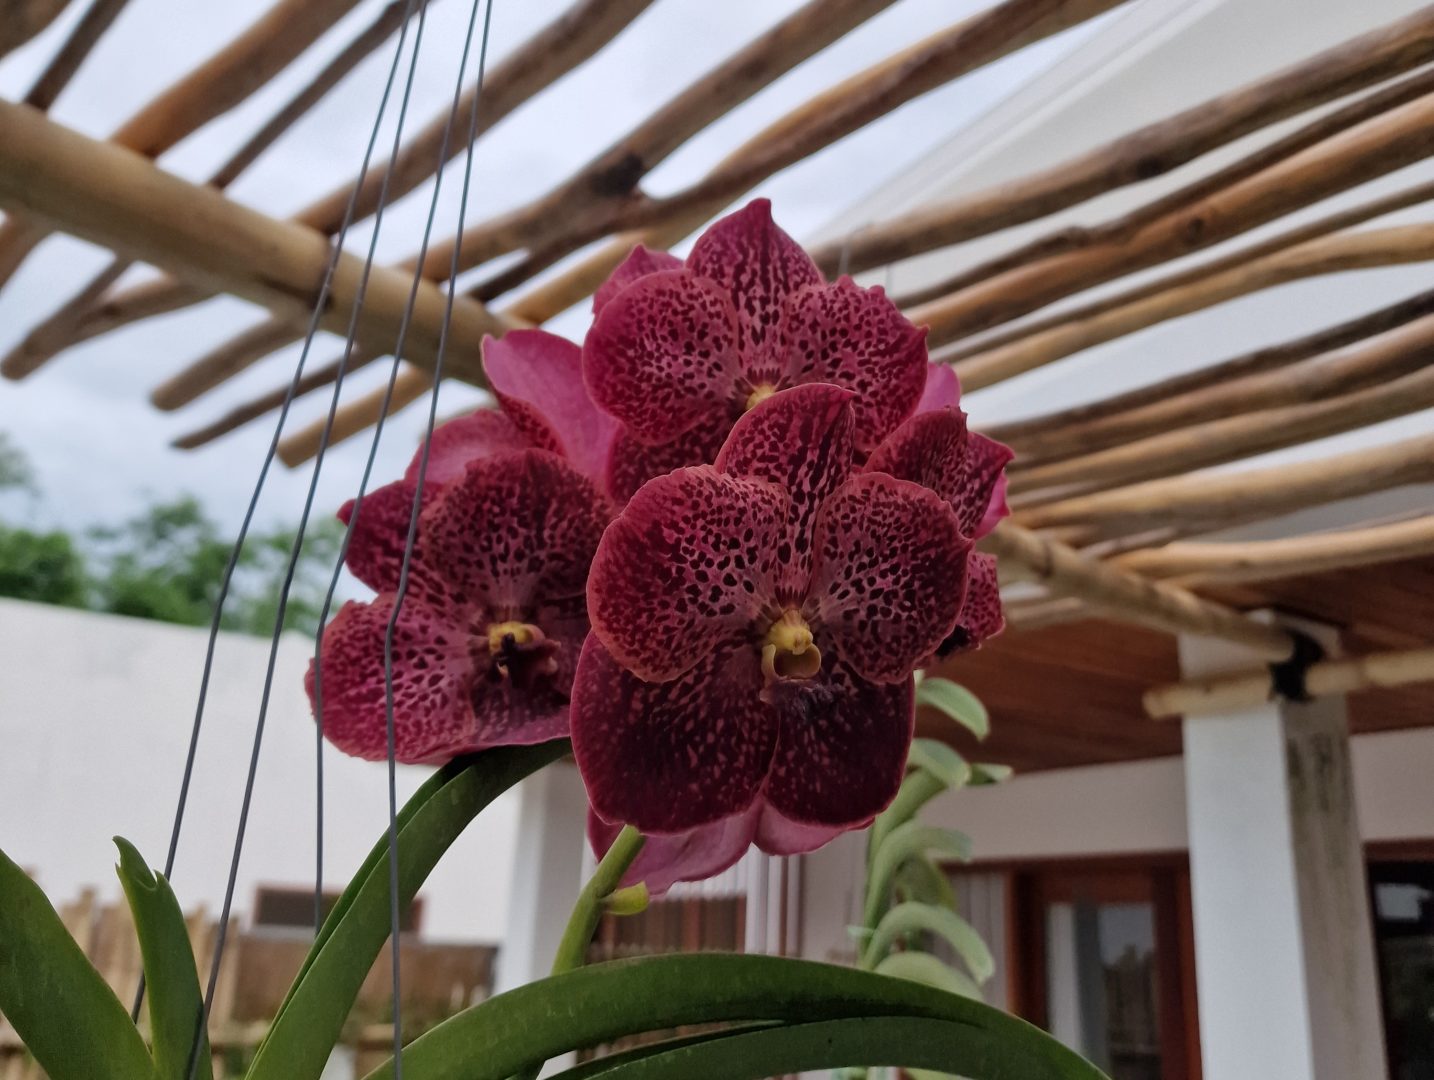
{"x":1368,"y":150}
{"x":55,"y":332}
{"x":1234,"y":278}
{"x":20,"y":20}
{"x":1128,"y":596}
{"x":112,"y":196}
{"x":1260,"y":360}
{"x":1218,"y":441}
{"x":1149,"y":151}
{"x":98,"y":18}
{"x":213,"y":88}
{"x":535,"y":65}
{"x":1389,"y":356}
{"x":1209,"y":697}
{"x":410,"y":385}
{"x":1265,"y":560}
{"x":1253,"y":493}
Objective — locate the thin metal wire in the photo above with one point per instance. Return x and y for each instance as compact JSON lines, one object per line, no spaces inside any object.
{"x":413,"y":512}
{"x":237,"y":550}
{"x":366,"y":477}
{"x":223,"y":927}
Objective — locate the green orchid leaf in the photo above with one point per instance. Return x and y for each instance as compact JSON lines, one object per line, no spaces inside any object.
{"x":311,"y":1018}
{"x":926,"y":969}
{"x":605,"y":1002}
{"x":65,"y":1013}
{"x":602,"y":1065}
{"x":913,"y":918}
{"x":176,"y":1007}
{"x":908,"y":841}
{"x":956,"y":702}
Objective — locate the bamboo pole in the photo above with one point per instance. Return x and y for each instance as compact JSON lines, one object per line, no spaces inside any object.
{"x":1268,"y":358}
{"x":1128,"y":596}
{"x":1072,"y":237}
{"x":98,"y":18}
{"x":557,"y":49}
{"x":1252,"y":494}
{"x":409,"y":386}
{"x":1314,"y":258}
{"x":1150,"y":151}
{"x":1369,"y":150}
{"x":1218,"y":441}
{"x":1231,"y":562}
{"x":115,"y":197}
{"x":227,"y":78}
{"x":21,"y":20}
{"x":1391,"y":355}
{"x":1229,"y":693}
{"x":52,"y":334}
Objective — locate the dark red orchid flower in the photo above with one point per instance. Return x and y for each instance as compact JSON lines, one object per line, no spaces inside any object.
{"x":491,"y":627}
{"x":679,"y":351}
{"x":755,"y":627}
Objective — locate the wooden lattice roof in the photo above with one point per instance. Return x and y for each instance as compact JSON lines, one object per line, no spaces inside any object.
{"x":1112,"y":498}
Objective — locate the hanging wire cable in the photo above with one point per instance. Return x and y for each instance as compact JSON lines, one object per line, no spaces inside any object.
{"x":409,"y":541}
{"x":357,"y":508}
{"x":223,"y":927}
{"x":237,"y":550}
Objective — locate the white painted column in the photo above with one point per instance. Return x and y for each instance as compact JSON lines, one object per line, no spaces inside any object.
{"x":547,"y":873}
{"x":1284,"y":948}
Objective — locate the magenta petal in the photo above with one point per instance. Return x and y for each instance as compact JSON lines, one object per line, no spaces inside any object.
{"x":858,"y":339}
{"x":985,"y":485}
{"x":633,"y":464}
{"x":840,"y":761}
{"x":640,"y":262}
{"x":981,"y":615}
{"x":375,"y":552}
{"x":695,"y":855}
{"x":757,"y":264}
{"x":890,"y":574}
{"x":662,"y":354}
{"x":433,"y":720}
{"x":538,"y":379}
{"x":514,"y":531}
{"x":672,"y":756}
{"x":943,"y":388}
{"x":454,"y":444}
{"x":801,"y":440}
{"x":780,"y":835}
{"x":688,"y":564}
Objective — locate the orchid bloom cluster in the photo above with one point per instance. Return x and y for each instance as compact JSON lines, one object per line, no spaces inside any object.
{"x":711,"y":545}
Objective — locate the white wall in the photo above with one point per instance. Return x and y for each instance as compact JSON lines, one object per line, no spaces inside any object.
{"x":95,"y":713}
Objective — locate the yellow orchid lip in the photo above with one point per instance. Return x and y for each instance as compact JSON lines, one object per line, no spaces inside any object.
{"x":511,"y":633}
{"x":788,"y":651}
{"x":760,"y":393}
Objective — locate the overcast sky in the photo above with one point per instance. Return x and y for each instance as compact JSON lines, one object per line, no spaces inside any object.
{"x":98,"y":446}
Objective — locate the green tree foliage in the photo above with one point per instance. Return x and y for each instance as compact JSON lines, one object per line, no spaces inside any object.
{"x":165,"y":563}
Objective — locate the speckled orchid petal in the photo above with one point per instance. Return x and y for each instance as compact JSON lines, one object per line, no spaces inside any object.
{"x":375,"y":553}
{"x":985,"y":485}
{"x":841,"y":762}
{"x":936,"y":450}
{"x":538,"y":379}
{"x":514,"y":530}
{"x":687,"y":565}
{"x":858,"y":339}
{"x":758,"y":265}
{"x":640,"y":262}
{"x":482,"y":433}
{"x":943,"y":388}
{"x":778,"y":834}
{"x":695,"y":855}
{"x":633,"y":464}
{"x":981,"y":616}
{"x":671,"y":756}
{"x":801,"y":440}
{"x":662,"y":354}
{"x":432,"y":673}
{"x":890,"y":574}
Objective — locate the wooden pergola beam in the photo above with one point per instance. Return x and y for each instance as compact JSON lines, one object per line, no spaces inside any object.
{"x":20,"y":20}
{"x":1128,"y":596}
{"x":1208,"y":697}
{"x":117,"y":198}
